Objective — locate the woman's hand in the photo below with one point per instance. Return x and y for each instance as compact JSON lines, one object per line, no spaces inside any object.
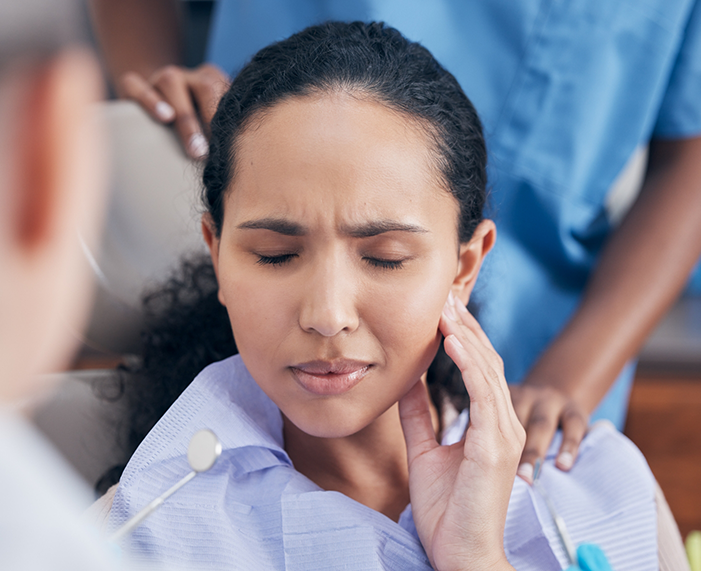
{"x":186,"y":97}
{"x":460,"y":493}
{"x":541,"y":410}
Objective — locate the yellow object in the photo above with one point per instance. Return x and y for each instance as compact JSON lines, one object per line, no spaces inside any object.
{"x":693,"y":550}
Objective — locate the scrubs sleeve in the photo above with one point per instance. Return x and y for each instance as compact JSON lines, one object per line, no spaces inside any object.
{"x":680,"y":111}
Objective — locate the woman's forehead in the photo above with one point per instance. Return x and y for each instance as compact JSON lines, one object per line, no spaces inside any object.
{"x":351,"y":156}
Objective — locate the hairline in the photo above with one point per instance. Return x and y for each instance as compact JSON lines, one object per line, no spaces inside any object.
{"x":423,"y":125}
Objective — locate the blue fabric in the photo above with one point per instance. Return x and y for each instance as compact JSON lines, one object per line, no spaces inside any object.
{"x":694,"y":287}
{"x":253,"y":510}
{"x":567,"y":92}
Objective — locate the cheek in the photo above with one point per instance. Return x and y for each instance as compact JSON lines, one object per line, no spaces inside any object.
{"x":256,"y":309}
{"x":405,"y":318}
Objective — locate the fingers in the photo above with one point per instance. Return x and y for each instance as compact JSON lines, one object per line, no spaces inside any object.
{"x":478,"y":362}
{"x":574,"y":426}
{"x":415,"y":416}
{"x":486,"y":399}
{"x":172,"y":83}
{"x":469,"y":321}
{"x":176,"y":95}
{"x":466,"y":328}
{"x":136,"y":88}
{"x":540,"y":429}
{"x":543,"y":410}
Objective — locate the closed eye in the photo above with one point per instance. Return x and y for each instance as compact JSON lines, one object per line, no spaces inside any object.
{"x":385,"y":264}
{"x":275,"y":260}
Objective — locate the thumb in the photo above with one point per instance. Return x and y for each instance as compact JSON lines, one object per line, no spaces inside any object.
{"x":415,"y":416}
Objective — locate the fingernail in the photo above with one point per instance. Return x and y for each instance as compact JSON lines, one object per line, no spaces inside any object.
{"x":164,"y":111}
{"x":565,"y":460}
{"x":197,"y":146}
{"x":526,"y":472}
{"x":449,"y":310}
{"x":603,"y":424}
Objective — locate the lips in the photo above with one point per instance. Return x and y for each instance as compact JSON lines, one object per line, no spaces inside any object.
{"x":328,"y":378}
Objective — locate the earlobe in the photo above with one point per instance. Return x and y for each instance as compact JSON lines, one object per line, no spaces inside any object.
{"x":471,"y":256}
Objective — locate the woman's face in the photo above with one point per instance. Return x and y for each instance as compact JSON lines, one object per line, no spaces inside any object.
{"x":338,"y":249}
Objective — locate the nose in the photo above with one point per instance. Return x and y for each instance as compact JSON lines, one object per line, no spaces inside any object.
{"x":329,"y":299}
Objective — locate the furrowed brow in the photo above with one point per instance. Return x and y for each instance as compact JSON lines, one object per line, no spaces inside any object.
{"x":380,"y":227}
{"x":279,"y":225}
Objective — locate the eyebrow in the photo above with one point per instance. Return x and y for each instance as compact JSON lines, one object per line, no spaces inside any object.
{"x":375,"y":228}
{"x":380,"y":227}
{"x":279,"y":225}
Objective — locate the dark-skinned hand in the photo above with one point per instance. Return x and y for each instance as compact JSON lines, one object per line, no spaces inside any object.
{"x":542,"y":410}
{"x":185,"y":97}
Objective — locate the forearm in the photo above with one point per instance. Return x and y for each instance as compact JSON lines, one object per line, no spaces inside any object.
{"x":642,"y":269}
{"x":137,"y":35}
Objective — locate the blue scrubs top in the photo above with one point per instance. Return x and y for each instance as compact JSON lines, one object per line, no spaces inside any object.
{"x":567,"y":92}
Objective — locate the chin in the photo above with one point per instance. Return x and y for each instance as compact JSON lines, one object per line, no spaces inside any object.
{"x":329,"y":423}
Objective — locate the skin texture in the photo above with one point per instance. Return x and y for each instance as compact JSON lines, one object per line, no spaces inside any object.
{"x":51,"y":188}
{"x":309,"y":271}
{"x":622,"y":302}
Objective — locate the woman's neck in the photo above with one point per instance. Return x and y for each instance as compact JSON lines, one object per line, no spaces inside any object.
{"x":369,"y":466}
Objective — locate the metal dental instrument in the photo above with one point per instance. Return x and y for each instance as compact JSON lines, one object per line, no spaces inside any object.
{"x":203,"y":451}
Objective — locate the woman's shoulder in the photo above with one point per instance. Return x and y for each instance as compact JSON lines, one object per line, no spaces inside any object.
{"x":224,"y":399}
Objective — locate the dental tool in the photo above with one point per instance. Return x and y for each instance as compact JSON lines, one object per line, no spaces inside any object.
{"x":586,"y":557}
{"x":202,"y":453}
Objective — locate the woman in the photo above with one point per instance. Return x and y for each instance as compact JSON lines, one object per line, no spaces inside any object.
{"x":344,"y":192}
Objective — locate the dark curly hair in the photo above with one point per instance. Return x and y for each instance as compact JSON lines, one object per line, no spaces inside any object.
{"x":186,"y":327}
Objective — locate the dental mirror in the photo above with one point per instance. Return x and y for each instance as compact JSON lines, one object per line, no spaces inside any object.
{"x":202,"y":453}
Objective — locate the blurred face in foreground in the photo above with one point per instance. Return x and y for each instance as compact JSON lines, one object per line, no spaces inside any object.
{"x":338,"y":249}
{"x":52,"y":187}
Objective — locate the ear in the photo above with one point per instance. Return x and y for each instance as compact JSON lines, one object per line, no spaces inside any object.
{"x":55,"y":185}
{"x":471,"y":256}
{"x":43,"y":158}
{"x":57,"y":152}
{"x":212,"y":240}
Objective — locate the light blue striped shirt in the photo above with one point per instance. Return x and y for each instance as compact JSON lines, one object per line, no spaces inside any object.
{"x":253,"y":510}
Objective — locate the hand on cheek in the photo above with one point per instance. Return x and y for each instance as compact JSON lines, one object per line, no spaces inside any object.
{"x":460,"y":493}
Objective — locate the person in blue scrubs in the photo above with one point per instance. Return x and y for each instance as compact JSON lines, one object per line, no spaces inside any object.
{"x":569,"y":94}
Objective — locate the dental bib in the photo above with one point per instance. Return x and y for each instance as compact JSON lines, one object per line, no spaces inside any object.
{"x":253,"y":510}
